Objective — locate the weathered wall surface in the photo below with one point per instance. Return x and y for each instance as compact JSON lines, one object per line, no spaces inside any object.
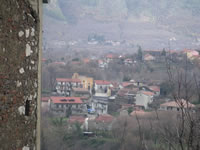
{"x":19,"y":53}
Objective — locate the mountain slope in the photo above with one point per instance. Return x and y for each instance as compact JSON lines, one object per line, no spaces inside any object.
{"x":135,"y":20}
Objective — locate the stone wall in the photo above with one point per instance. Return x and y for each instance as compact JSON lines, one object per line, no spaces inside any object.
{"x":19,"y":74}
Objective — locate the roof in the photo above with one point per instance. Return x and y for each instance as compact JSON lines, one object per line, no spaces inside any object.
{"x":133,"y":91}
{"x":100,"y":61}
{"x":124,"y":84}
{"x":147,"y":93}
{"x":59,"y":63}
{"x":44,"y":99}
{"x":194,"y":52}
{"x":102,"y":82}
{"x":86,"y":60}
{"x":105,"y":118}
{"x":154,"y":88}
{"x":126,"y":106}
{"x":139,"y":113}
{"x":66,"y":100}
{"x":149,"y":57}
{"x":75,"y":62}
{"x":128,"y":59}
{"x":44,"y":59}
{"x":153,"y":50}
{"x":79,"y":119}
{"x":178,"y":103}
{"x":80,"y":90}
{"x":67,"y":80}
{"x":122,"y":92}
{"x":110,"y":56}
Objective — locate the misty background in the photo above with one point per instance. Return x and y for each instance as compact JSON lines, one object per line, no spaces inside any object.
{"x":150,"y":23}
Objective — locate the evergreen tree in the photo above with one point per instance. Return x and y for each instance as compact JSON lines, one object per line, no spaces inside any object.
{"x":163,"y":52}
{"x":139,"y":54}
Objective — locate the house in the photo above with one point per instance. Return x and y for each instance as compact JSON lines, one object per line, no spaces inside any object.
{"x":176,"y":105}
{"x":128,"y":61}
{"x":100,"y":104}
{"x":191,"y":54}
{"x":155,"y":89}
{"x":86,"y":60}
{"x":126,"y":84}
{"x":109,"y":57}
{"x":143,"y":98}
{"x":140,"y":113}
{"x":87,"y":82}
{"x":148,"y":57}
{"x":65,"y":106}
{"x":102,"y":86}
{"x":64,"y":85}
{"x":102,"y":122}
{"x":102,"y":64}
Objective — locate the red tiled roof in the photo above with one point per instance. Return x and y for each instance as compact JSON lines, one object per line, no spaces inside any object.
{"x":178,"y":103}
{"x":155,"y":88}
{"x":68,"y":80}
{"x":43,"y":59}
{"x":139,"y":113}
{"x":124,"y":84}
{"x":100,"y":61}
{"x":59,"y":63}
{"x":147,"y":93}
{"x":44,"y":99}
{"x":86,"y":60}
{"x":109,"y":56}
{"x":84,"y":98}
{"x":105,"y":118}
{"x":102,"y":82}
{"x":79,"y":119}
{"x":66,"y":100}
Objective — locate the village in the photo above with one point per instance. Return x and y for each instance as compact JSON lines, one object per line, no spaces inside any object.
{"x":95,"y":103}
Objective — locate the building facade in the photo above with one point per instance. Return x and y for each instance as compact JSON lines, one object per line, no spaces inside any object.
{"x":66,"y":106}
{"x":144,"y":98}
{"x":64,"y":86}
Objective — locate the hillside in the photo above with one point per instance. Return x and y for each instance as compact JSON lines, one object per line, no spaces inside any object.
{"x":150,"y":19}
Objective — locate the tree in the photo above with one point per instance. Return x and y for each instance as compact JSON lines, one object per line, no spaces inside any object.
{"x":139,"y":53}
{"x":130,"y":109}
{"x":165,"y":89}
{"x":163,"y":52}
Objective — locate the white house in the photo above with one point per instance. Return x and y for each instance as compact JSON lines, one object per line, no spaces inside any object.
{"x":100,"y":104}
{"x":102,"y":86}
{"x":143,"y":98}
{"x":64,"y":85}
{"x":176,"y":105}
